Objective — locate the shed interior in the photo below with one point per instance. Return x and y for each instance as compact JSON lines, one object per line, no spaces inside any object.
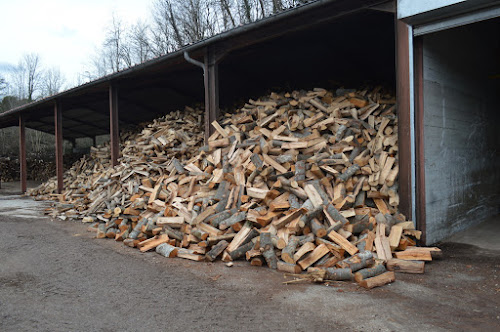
{"x":461,"y":69}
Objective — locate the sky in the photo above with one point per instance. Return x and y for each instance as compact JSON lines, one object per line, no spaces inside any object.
{"x":65,"y":33}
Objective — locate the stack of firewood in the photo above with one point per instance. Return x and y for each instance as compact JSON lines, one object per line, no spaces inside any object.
{"x":301,"y":181}
{"x":9,"y":169}
{"x":180,"y":136}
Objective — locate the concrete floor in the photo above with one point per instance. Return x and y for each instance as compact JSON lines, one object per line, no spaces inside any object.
{"x":14,"y":188}
{"x":485,"y":235}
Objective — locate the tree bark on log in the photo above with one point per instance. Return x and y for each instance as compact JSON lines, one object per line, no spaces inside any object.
{"x":216,"y":250}
{"x":379,"y":280}
{"x":369,"y":272}
{"x":241,"y":251}
{"x":167,"y":250}
{"x":271,"y":258}
{"x":338,"y":274}
{"x":288,"y":252}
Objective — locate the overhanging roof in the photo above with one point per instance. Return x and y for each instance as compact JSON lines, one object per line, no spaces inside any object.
{"x":170,"y":82}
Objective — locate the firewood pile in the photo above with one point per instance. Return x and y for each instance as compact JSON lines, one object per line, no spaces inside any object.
{"x":9,"y":169}
{"x":80,"y":173}
{"x":38,"y":169}
{"x":174,"y":135}
{"x":303,"y":182}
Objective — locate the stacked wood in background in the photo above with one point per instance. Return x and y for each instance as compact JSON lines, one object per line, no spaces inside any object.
{"x":302,"y":181}
{"x":38,"y":167}
{"x":9,"y":169}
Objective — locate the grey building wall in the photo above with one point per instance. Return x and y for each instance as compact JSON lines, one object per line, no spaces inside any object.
{"x":407,"y":8}
{"x":461,"y":127}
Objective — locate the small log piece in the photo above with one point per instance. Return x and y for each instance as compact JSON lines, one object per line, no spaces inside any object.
{"x":380,"y":280}
{"x":404,"y":266}
{"x":369,"y":272}
{"x":216,"y":250}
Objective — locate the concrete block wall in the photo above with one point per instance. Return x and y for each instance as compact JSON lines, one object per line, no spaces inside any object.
{"x":461,"y":127}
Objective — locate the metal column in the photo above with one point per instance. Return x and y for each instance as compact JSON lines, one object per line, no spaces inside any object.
{"x":211,"y":91}
{"x":59,"y":145}
{"x":404,"y":114}
{"x":418,"y":57}
{"x":22,"y":154}
{"x":113,"y":125}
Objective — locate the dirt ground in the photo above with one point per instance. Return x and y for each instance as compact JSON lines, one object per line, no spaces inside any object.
{"x":55,"y":276}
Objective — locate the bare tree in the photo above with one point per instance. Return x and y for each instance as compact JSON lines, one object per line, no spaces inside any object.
{"x":25,"y":78}
{"x":174,"y":24}
{"x":31,"y":63}
{"x":138,"y":41}
{"x":195,"y":19}
{"x":162,"y":30}
{"x":113,"y":48}
{"x":228,"y":20}
{"x":246,"y":11}
{"x":277,"y":6}
{"x":167,"y":34}
{"x":3,"y":85}
{"x":52,"y":82}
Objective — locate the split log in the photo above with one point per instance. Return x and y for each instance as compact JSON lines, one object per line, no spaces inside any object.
{"x":380,"y":280}
{"x":414,"y":255}
{"x":341,"y":241}
{"x":314,"y":256}
{"x":288,"y":267}
{"x":288,"y":252}
{"x":405,"y":266}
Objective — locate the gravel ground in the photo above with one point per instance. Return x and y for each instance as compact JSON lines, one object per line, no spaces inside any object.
{"x":54,"y":276}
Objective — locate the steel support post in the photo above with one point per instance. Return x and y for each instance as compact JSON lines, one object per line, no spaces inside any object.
{"x":23,"y":174}
{"x":59,"y":145}
{"x":418,"y":57}
{"x":211,"y":91}
{"x":404,"y":115}
{"x":113,"y":125}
